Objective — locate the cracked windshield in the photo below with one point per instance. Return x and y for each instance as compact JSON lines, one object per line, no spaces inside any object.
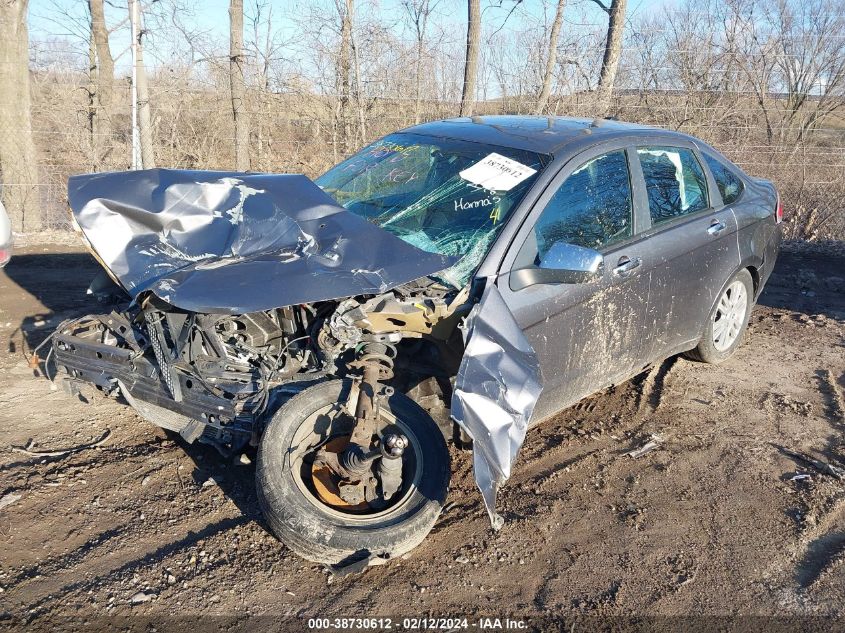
{"x":440,"y":195}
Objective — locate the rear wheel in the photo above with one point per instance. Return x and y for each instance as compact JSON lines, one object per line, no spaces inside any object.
{"x":301,"y":498}
{"x":727,"y":321}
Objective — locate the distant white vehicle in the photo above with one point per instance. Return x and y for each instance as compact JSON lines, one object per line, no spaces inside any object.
{"x":5,"y":237}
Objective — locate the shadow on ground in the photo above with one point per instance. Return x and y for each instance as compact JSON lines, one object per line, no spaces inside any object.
{"x":56,"y":285}
{"x":817,"y":276}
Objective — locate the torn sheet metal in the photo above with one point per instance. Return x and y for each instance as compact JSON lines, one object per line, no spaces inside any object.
{"x":498,"y":384}
{"x":228,"y":242}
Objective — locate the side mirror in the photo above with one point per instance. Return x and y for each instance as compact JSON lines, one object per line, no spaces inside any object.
{"x":563,"y":264}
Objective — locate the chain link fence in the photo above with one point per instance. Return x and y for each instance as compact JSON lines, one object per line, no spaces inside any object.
{"x":305,"y":132}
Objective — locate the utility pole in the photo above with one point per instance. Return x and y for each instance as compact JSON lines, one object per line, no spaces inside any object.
{"x":136,"y":134}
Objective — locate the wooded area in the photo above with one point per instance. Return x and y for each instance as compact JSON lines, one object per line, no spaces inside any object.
{"x":299,"y":87}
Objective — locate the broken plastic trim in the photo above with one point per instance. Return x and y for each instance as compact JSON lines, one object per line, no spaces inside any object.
{"x":234,"y":243}
{"x":498,"y":385}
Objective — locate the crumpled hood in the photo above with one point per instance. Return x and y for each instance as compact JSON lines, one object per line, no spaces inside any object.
{"x":233,"y":243}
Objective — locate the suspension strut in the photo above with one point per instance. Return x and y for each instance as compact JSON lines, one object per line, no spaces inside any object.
{"x":375,"y":360}
{"x":354,"y":464}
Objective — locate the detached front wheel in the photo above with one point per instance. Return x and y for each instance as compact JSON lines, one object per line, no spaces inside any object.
{"x":305,"y":503}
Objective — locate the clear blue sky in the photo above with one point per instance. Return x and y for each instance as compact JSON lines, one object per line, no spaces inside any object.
{"x":60,"y":19}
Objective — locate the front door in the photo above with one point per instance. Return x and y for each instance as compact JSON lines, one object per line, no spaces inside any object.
{"x":586,"y":335}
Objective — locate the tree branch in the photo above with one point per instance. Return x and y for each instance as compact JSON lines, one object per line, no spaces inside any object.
{"x":604,"y":8}
{"x":507,"y":17}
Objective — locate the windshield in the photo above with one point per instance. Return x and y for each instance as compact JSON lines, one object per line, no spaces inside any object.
{"x":441,"y":195}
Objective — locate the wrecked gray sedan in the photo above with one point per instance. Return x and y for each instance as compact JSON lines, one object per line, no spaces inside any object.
{"x":459,"y":279}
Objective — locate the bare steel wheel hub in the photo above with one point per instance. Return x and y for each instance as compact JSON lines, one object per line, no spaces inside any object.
{"x":326,"y":483}
{"x":326,"y":433}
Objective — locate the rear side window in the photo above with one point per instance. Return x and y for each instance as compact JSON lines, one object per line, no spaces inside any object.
{"x":592,"y":208}
{"x":729,"y":184}
{"x":674,"y":181}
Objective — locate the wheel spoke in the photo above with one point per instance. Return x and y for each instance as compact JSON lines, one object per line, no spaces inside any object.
{"x":733,"y":333}
{"x":719,"y":328}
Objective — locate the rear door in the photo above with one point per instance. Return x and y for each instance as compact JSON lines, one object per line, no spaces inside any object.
{"x":586,"y":335}
{"x":692,"y":245}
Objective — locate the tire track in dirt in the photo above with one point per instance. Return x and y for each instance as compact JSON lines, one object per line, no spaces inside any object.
{"x":820,"y":557}
{"x":821,"y":546}
{"x":833,"y":399}
{"x":103,"y":569}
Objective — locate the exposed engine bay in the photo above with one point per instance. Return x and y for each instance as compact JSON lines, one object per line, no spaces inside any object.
{"x":231,"y":365}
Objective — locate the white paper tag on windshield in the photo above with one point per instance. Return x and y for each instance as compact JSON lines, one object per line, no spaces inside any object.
{"x":495,"y":172}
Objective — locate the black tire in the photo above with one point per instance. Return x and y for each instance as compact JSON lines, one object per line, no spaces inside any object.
{"x":707,"y":351}
{"x":321,"y":534}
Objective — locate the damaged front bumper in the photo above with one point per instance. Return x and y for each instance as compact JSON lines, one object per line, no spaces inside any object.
{"x":201,"y":413}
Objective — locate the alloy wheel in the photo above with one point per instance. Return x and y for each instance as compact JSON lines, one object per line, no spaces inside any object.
{"x":730,"y":316}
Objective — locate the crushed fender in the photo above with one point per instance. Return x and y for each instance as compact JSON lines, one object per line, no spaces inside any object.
{"x":498,"y":385}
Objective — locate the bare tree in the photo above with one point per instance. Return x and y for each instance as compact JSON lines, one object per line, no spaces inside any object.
{"x":551,"y":59}
{"x":612,"y":51}
{"x":359,"y":97}
{"x":18,"y":171}
{"x":237,"y":85}
{"x":93,"y":107}
{"x":764,"y":80}
{"x":103,"y":72}
{"x":419,"y":12}
{"x":263,"y":45}
{"x":810,"y":63}
{"x":471,"y":64}
{"x":345,"y":10}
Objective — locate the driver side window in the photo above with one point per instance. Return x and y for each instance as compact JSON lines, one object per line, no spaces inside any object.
{"x":592,"y":208}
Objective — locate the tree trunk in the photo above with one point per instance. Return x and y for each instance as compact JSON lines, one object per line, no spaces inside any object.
{"x":18,"y":171}
{"x":344,"y":70}
{"x":418,"y":80}
{"x":237,"y":84}
{"x":418,"y":12}
{"x":551,"y":59}
{"x":612,"y":53}
{"x":359,"y":100}
{"x":104,"y":83}
{"x":471,"y":65}
{"x":93,"y":107}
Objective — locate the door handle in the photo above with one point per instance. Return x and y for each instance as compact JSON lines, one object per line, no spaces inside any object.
{"x":716,"y":227}
{"x":626,"y":266}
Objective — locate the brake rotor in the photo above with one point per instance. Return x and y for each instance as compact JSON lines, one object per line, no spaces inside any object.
{"x":326,"y":481}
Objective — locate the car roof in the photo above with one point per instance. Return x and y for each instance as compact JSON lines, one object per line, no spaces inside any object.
{"x":541,"y":134}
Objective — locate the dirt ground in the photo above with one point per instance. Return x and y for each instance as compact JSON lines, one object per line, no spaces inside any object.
{"x":720,"y":520}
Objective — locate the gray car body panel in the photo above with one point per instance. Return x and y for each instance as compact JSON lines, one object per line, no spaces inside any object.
{"x":593,"y":335}
{"x":5,"y":235}
{"x":496,"y":390}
